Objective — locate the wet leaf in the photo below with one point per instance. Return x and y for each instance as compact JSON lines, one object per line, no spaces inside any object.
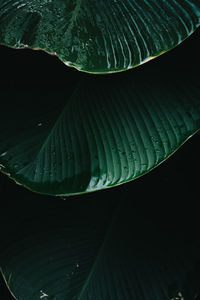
{"x":109,"y":131}
{"x":98,"y":36}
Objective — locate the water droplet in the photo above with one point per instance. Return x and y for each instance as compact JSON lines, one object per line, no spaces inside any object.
{"x":3,"y":154}
{"x":44,"y":295}
{"x":130,"y":155}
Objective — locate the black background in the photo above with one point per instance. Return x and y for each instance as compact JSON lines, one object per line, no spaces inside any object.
{"x":178,"y":175}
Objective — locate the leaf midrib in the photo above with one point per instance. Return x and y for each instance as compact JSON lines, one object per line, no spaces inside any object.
{"x":54,"y":126}
{"x":103,"y":245}
{"x":73,"y":18}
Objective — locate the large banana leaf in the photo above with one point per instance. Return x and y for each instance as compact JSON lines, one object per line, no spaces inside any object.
{"x":98,"y":36}
{"x":92,"y":247}
{"x":108,"y":132}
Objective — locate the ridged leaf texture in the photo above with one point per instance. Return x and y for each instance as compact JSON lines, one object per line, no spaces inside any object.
{"x":95,"y":248}
{"x":108,"y":132}
{"x":98,"y":36}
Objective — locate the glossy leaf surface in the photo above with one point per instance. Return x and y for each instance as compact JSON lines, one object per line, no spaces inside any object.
{"x":99,"y":36}
{"x":95,"y":247}
{"x":108,"y":132}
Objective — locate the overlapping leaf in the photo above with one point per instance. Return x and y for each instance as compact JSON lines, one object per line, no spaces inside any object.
{"x":93,"y":248}
{"x":98,"y":36}
{"x":108,"y":132}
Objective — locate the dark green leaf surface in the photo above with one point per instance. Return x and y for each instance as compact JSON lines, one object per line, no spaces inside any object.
{"x":99,"y":36}
{"x":91,"y":248}
{"x":108,"y":132}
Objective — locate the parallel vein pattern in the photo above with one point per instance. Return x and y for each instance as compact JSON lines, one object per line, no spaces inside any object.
{"x":89,"y":250}
{"x":99,"y":36}
{"x":108,"y":133}
{"x":63,"y":248}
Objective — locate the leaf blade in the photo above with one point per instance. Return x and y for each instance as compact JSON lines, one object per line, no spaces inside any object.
{"x":143,"y":253}
{"x":99,"y":37}
{"x":109,"y":132}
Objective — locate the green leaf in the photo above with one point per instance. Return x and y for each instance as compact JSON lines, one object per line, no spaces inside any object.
{"x":92,"y":247}
{"x":109,"y":131}
{"x":98,"y":36}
